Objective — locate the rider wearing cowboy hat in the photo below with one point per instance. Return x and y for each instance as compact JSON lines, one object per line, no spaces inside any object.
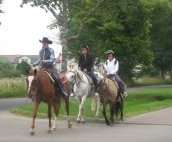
{"x":86,"y":63}
{"x":111,"y":67}
{"x":46,"y":62}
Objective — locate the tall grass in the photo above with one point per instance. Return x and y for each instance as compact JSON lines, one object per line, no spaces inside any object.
{"x":12,"y":87}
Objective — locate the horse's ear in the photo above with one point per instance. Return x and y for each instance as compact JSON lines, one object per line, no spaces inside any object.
{"x":35,"y":71}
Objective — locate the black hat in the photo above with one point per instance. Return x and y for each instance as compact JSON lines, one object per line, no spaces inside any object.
{"x":46,"y":40}
{"x":110,"y":52}
{"x":85,"y":46}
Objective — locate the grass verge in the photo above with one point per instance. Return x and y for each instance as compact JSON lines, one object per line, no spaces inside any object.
{"x":135,"y":103}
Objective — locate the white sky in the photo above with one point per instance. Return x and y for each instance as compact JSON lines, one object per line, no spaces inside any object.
{"x":21,"y":29}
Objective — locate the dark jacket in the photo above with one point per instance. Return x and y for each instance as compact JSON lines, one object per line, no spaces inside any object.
{"x":86,"y":62}
{"x":47,"y":55}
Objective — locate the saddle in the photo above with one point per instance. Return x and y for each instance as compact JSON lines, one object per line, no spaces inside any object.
{"x":111,"y":78}
{"x":89,"y":78}
{"x":63,"y":78}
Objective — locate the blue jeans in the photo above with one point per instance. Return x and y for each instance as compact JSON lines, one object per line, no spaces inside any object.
{"x":120,"y":83}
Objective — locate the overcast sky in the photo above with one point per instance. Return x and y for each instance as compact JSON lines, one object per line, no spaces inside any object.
{"x":21,"y":29}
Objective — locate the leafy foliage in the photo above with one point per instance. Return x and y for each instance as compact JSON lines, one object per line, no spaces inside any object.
{"x":23,"y":66}
{"x":161,"y":34}
{"x":1,"y":3}
{"x":8,"y":70}
{"x":139,"y":31}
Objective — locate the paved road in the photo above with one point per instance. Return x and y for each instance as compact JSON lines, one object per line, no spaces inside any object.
{"x":6,"y":104}
{"x":150,"y":127}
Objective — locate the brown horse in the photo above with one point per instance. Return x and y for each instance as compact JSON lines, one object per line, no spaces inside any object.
{"x":108,"y":92}
{"x":41,"y":88}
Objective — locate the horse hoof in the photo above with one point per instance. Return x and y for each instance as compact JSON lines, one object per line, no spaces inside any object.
{"x":69,"y":125}
{"x":32,"y":133}
{"x":111,"y":125}
{"x":49,"y":131}
{"x":54,"y":129}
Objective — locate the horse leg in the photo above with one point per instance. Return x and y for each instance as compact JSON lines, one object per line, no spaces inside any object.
{"x":56,"y":111}
{"x":97,"y":98}
{"x":49,"y":116}
{"x":104,"y":114}
{"x":112,"y":112}
{"x":121,"y":110}
{"x":32,"y":131}
{"x":67,"y":111}
{"x":80,"y":118}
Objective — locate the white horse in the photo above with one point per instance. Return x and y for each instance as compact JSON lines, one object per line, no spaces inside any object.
{"x":82,"y":88}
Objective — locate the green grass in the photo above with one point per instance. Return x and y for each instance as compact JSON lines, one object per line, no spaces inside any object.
{"x":12,"y":87}
{"x":148,"y":100}
{"x":144,"y":81}
{"x":135,"y":103}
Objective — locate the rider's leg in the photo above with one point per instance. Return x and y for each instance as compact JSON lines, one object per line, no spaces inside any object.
{"x":93,"y":76}
{"x":121,"y":84}
{"x":59,"y":83}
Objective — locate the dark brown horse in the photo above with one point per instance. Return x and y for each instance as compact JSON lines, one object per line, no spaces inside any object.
{"x":108,"y":92}
{"x":41,"y":88}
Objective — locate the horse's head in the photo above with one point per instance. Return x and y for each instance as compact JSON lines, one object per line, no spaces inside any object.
{"x":75,"y":76}
{"x":101,"y":87}
{"x":70,"y":76}
{"x":32,"y":83}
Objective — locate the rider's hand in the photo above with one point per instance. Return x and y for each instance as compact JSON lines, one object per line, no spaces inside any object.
{"x":84,"y":70}
{"x":42,"y":61}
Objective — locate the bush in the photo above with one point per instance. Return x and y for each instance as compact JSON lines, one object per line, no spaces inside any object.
{"x":23,"y":66}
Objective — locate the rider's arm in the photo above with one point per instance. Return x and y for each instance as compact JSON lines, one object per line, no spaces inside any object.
{"x":79,"y":63}
{"x":91,"y":63}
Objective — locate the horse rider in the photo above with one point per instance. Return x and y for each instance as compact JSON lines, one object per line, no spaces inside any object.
{"x":111,"y":67}
{"x":86,"y":63}
{"x":46,"y":62}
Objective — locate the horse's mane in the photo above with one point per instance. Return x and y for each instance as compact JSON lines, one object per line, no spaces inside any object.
{"x":79,"y":75}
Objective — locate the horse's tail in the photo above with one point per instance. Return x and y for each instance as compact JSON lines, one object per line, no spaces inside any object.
{"x":95,"y":102}
{"x":117,"y":108}
{"x":93,"y":105}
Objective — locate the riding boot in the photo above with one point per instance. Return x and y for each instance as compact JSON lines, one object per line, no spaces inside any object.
{"x":59,"y":84}
{"x":61,"y":88}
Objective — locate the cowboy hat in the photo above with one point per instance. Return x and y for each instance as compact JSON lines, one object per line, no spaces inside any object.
{"x":110,"y":52}
{"x":45,"y":40}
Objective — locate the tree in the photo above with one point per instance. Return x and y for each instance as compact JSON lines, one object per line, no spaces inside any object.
{"x":1,"y":3}
{"x":64,"y":12}
{"x":161,"y":35}
{"x":23,"y":67}
{"x":0,"y":9}
{"x":8,"y":70}
{"x":121,"y":25}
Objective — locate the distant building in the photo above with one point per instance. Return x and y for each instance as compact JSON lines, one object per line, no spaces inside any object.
{"x":16,"y":59}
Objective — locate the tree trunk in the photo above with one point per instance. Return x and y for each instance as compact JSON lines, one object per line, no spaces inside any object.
{"x":64,"y":55}
{"x":162,"y":74}
{"x":171,"y":74}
